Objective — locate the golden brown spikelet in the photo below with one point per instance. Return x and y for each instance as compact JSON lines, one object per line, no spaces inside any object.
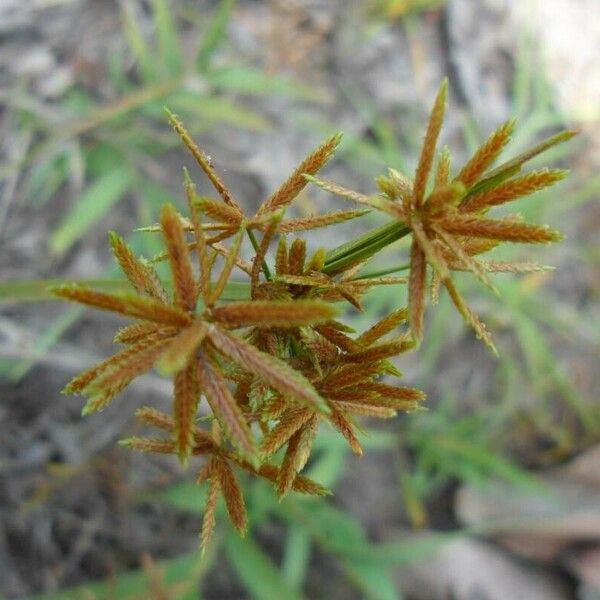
{"x":232,"y":493}
{"x":345,"y":427}
{"x":179,"y":258}
{"x":210,"y":508}
{"x":442,"y":173}
{"x":219,"y":211}
{"x":137,"y":331}
{"x":225,"y":408}
{"x":203,"y":161}
{"x":179,"y":350}
{"x":429,"y":143}
{"x":150,"y":445}
{"x":297,"y":453}
{"x":486,"y":154}
{"x":290,"y":422}
{"x":142,"y":277}
{"x":297,"y":182}
{"x":383,"y":327}
{"x":274,"y":313}
{"x":480,"y":329}
{"x":281,"y":257}
{"x":274,"y":371}
{"x":517,"y":187}
{"x":315,"y":222}
{"x":365,"y":410}
{"x":379,"y":352}
{"x":416,"y":291}
{"x":258,"y":262}
{"x":128,"y":305}
{"x":186,"y":392}
{"x":296,"y":257}
{"x":507,"y":230}
{"x":230,"y":260}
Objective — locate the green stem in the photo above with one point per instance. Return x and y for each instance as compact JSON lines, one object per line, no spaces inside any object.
{"x":383,"y":272}
{"x":255,"y":245}
{"x":364,"y":247}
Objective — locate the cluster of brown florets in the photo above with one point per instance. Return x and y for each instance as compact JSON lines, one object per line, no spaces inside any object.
{"x":276,"y":365}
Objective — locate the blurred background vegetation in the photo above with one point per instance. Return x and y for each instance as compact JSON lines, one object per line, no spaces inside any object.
{"x":86,"y":148}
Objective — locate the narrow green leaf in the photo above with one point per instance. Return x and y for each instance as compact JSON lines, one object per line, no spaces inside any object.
{"x":246,"y":79}
{"x":137,"y":43}
{"x":93,"y":204}
{"x":45,"y":342}
{"x":214,"y":109}
{"x":168,"y":39}
{"x":296,"y":556}
{"x":256,"y":570}
{"x":372,"y":580}
{"x":38,"y":290}
{"x":214,"y":35}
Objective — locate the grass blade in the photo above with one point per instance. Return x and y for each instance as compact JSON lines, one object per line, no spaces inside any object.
{"x":93,"y":204}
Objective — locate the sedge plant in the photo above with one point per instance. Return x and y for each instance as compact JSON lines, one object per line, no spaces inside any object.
{"x":277,"y":365}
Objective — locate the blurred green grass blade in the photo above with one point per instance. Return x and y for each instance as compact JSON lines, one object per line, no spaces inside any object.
{"x":186,"y":496}
{"x":328,"y":468}
{"x":91,"y":206}
{"x":169,"y":47}
{"x":137,"y":43}
{"x":246,"y":79}
{"x":256,"y":571}
{"x":38,"y":290}
{"x":46,"y":178}
{"x":404,"y":552}
{"x":216,"y":110}
{"x":372,"y":580}
{"x":45,"y":342}
{"x":129,"y":585}
{"x":214,"y":35}
{"x":296,"y":556}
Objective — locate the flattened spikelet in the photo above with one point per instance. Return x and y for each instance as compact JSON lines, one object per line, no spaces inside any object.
{"x":225,"y":408}
{"x":203,"y":161}
{"x":179,"y":258}
{"x":210,"y":510}
{"x":151,"y":445}
{"x":429,"y":143}
{"x":296,"y":257}
{"x":221,"y":212}
{"x":232,"y":493}
{"x":485,"y":156}
{"x":379,"y":352}
{"x":129,"y":305}
{"x":308,"y":223}
{"x":416,"y":291}
{"x":274,"y":371}
{"x":180,"y":349}
{"x":345,"y":427}
{"x":274,"y":313}
{"x":507,"y":230}
{"x":517,"y":187}
{"x":142,"y":277}
{"x":470,"y":317}
{"x":281,"y":257}
{"x":288,"y":425}
{"x":296,"y":182}
{"x":383,"y":327}
{"x":186,"y":396}
{"x":138,"y":331}
{"x":297,"y":453}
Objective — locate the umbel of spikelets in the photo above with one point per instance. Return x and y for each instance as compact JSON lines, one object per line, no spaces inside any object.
{"x":279,"y":360}
{"x":448,"y":217}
